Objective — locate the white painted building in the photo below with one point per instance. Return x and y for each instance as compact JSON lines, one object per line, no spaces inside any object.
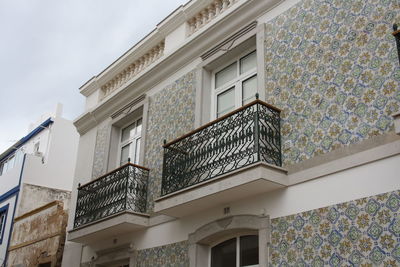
{"x":36,"y":170}
{"x":244,"y":133}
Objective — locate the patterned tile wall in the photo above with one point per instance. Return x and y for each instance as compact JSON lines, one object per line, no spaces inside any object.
{"x":171,"y":114}
{"x":364,"y":232}
{"x":100,"y":150}
{"x":332,"y":66}
{"x":172,"y":255}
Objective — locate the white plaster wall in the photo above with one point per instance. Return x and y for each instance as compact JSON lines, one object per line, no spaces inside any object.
{"x":83,"y":174}
{"x":3,"y":245}
{"x":62,"y":153}
{"x":56,"y":171}
{"x":83,"y":169}
{"x":43,"y":138}
{"x":92,"y":100}
{"x":84,"y":158}
{"x":71,"y":255}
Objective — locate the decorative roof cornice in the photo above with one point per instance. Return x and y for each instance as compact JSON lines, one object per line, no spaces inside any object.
{"x":245,"y":12}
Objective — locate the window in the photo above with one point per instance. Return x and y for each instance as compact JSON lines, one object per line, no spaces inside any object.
{"x":3,"y":219}
{"x":236,"y":252}
{"x":235,"y":85}
{"x":130,"y":143}
{"x":7,"y":164}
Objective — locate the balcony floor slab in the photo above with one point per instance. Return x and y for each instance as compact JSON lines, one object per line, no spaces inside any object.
{"x":118,"y":224}
{"x":249,"y":181}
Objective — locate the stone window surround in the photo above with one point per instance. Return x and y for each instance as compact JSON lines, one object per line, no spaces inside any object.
{"x":201,"y":241}
{"x":120,"y":119}
{"x":251,"y":40}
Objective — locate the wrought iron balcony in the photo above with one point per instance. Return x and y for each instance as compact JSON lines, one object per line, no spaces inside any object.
{"x":124,"y":189}
{"x":245,"y":136}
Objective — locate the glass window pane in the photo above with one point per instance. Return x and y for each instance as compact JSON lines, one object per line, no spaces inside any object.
{"x":248,"y":62}
{"x":137,"y":151}
{"x":128,"y":132}
{"x":224,"y":254}
{"x":2,"y":222}
{"x":10,"y":163}
{"x":249,"y":88}
{"x":19,"y":155}
{"x":124,"y":154}
{"x":5,"y":167}
{"x":248,"y":250}
{"x":226,"y":102}
{"x":225,"y":75}
{"x":139,"y":126}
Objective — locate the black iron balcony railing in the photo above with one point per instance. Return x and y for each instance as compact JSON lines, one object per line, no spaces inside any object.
{"x":247,"y":135}
{"x":124,"y":189}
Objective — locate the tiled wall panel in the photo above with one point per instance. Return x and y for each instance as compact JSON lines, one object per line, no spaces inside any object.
{"x":332,"y":67}
{"x":100,"y":151}
{"x":172,"y":255}
{"x":364,"y":232}
{"x":171,"y":114}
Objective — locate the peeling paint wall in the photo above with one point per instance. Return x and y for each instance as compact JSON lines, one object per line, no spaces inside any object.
{"x":34,"y":196}
{"x":39,"y":236}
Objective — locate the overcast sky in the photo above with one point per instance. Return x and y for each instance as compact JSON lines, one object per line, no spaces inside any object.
{"x":49,"y":48}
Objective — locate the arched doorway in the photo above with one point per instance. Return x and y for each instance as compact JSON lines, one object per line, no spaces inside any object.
{"x":236,"y":241}
{"x":240,"y":251}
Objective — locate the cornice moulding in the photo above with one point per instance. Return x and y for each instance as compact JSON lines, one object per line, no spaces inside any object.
{"x":195,"y":45}
{"x":89,"y":87}
{"x":166,"y":26}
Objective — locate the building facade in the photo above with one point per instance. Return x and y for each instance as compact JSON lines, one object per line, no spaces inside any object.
{"x":35,"y":171}
{"x":244,"y":133}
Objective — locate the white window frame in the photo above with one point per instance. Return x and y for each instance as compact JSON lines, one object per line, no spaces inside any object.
{"x":237,"y":237}
{"x":8,"y":164}
{"x":236,"y":83}
{"x":3,"y":218}
{"x":130,"y":140}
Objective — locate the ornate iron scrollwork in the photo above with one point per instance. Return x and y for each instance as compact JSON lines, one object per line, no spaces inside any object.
{"x":396,"y":34}
{"x":243,"y":137}
{"x":124,"y":189}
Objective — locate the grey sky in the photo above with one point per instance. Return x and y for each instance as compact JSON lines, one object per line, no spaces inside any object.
{"x":49,"y":48}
